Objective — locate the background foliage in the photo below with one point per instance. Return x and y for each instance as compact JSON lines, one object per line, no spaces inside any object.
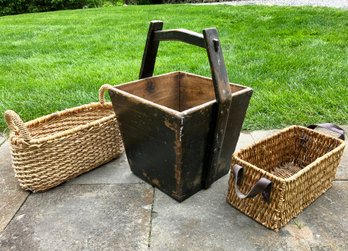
{"x":11,"y":7}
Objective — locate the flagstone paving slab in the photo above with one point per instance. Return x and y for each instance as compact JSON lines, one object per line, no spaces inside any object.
{"x":11,"y":201}
{"x":206,"y":222}
{"x":261,"y":134}
{"x":114,"y":172}
{"x":2,"y":139}
{"x":245,"y":139}
{"x":7,"y":175}
{"x":11,"y":195}
{"x":342,"y":172}
{"x":82,"y":217}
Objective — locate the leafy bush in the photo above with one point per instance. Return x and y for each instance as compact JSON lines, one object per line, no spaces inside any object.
{"x":140,"y":2}
{"x":11,"y":7}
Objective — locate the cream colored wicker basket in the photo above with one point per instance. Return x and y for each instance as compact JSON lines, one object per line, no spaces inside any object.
{"x":55,"y":148}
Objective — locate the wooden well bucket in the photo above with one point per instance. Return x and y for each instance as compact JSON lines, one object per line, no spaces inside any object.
{"x":179,"y":129}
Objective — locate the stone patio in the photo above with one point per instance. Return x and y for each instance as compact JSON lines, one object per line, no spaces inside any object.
{"x":111,"y":209}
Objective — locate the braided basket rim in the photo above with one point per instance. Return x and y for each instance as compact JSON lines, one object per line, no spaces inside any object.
{"x":341,"y":145}
{"x":32,"y":123}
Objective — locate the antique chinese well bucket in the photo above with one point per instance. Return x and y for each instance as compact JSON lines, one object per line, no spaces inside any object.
{"x":179,"y":129}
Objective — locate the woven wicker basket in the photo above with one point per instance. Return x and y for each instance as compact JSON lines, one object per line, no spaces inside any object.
{"x":52,"y":149}
{"x":284,"y":174}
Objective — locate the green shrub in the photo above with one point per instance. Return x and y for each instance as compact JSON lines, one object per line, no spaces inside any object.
{"x":11,"y":7}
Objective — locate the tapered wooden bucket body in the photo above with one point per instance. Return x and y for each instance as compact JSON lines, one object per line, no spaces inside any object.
{"x":167,"y":126}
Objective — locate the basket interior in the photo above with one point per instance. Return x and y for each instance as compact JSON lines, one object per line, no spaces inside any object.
{"x":179,"y":91}
{"x":289,"y":151}
{"x":68,"y":119}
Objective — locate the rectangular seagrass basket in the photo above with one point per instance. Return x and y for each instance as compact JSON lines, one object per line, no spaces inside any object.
{"x":280,"y":176}
{"x":52,"y":149}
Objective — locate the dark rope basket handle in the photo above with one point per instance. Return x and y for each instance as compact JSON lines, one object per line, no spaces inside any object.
{"x":330,"y":127}
{"x":263,"y":185}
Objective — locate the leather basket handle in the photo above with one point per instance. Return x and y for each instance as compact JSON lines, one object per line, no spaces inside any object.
{"x":263,"y":185}
{"x":330,"y":127}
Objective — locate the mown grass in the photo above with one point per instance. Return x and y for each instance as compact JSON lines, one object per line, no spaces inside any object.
{"x":294,"y":58}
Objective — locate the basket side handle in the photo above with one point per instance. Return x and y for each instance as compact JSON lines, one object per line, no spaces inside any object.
{"x":16,"y":124}
{"x":209,"y":40}
{"x":263,"y":185}
{"x":330,"y":127}
{"x":102,"y":90}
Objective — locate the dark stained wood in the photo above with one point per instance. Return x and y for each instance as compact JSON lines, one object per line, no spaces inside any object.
{"x":219,"y":75}
{"x":150,"y":137}
{"x":178,"y":90}
{"x":182,"y":35}
{"x":150,"y":52}
{"x":217,"y":65}
{"x":174,"y":126}
{"x":167,"y":148}
{"x":224,"y":100}
{"x":240,"y":103}
{"x":163,"y":91}
{"x":195,"y":91}
{"x":194,"y":143}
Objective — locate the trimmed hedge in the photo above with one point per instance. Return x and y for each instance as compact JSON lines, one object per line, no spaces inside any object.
{"x":11,"y":7}
{"x":140,"y":2}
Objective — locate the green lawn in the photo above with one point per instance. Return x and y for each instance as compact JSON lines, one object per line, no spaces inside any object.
{"x":295,"y":59}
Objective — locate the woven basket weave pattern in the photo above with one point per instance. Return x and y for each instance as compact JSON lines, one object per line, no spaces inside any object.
{"x":63,"y":145}
{"x":318,"y":155}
